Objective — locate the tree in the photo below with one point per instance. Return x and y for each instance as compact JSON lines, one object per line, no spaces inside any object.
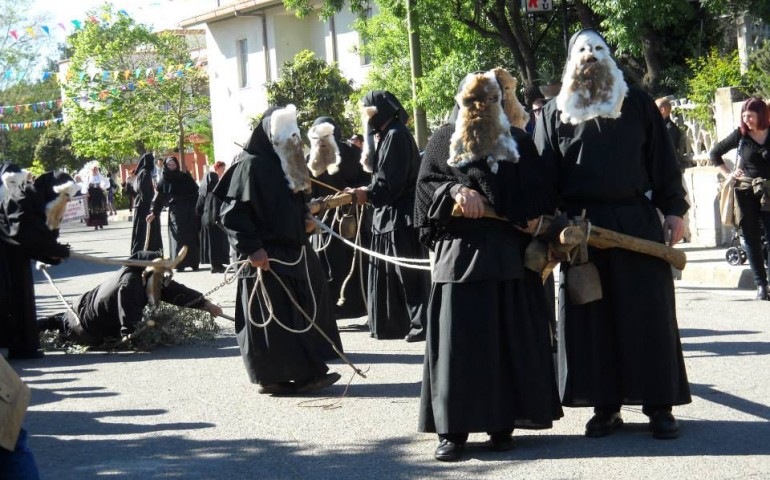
{"x":18,"y":146}
{"x":54,"y":150}
{"x":315,"y":87}
{"x":141,"y":89}
{"x":18,"y":50}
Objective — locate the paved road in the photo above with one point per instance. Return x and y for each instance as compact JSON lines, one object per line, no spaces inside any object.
{"x":189,"y":412}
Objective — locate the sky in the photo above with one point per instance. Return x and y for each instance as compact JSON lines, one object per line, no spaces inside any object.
{"x":161,"y":14}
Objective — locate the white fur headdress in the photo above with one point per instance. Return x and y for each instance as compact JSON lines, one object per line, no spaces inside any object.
{"x":367,"y":153}
{"x":287,"y":143}
{"x":592,"y":85}
{"x":482,"y":130}
{"x":54,"y":210}
{"x":324,"y":152}
{"x":12,"y":186}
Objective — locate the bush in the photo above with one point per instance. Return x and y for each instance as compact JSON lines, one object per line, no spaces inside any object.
{"x":760,"y":61}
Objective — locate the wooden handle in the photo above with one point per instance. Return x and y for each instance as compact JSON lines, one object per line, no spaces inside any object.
{"x":317,"y":205}
{"x":604,"y":238}
{"x":147,"y":236}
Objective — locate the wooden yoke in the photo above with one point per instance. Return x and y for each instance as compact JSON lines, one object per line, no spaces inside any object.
{"x":602,"y":238}
{"x":319,"y":205}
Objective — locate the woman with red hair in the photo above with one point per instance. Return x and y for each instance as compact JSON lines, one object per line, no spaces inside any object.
{"x":752,"y":190}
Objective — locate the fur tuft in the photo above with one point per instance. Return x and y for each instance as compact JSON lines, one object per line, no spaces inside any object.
{"x":324,"y":152}
{"x":285,"y":136}
{"x":514,"y":110}
{"x":367,"y":153}
{"x":13,"y":184}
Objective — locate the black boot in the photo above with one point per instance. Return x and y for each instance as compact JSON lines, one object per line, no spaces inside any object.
{"x":762,"y":293}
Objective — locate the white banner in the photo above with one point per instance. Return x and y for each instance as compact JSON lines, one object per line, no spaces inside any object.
{"x":76,"y":209}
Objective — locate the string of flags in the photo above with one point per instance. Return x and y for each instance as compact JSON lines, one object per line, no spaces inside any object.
{"x":107,"y":75}
{"x":35,"y":30}
{"x":29,"y":125}
{"x":26,"y":107}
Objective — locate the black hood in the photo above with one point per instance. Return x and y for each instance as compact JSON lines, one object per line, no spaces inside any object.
{"x":259,"y":141}
{"x":45,"y":183}
{"x":146,"y":163}
{"x":388,"y":108}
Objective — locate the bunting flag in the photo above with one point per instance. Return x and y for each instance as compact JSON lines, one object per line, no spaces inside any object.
{"x":14,"y":127}
{"x":33,"y":30}
{"x":36,"y":107}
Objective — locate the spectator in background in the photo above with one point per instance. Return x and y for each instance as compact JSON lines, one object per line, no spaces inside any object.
{"x":357,"y":140}
{"x":130,"y":189}
{"x":111,"y":189}
{"x":537,"y":108}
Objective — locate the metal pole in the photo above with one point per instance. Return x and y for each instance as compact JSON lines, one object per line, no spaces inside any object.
{"x":420,"y":121}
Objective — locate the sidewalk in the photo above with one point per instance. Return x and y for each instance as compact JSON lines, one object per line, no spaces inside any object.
{"x":189,"y":412}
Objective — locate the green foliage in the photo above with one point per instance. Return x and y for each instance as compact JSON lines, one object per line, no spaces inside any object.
{"x":19,"y":146}
{"x":315,"y":87}
{"x":760,"y":61}
{"x":126,"y":117}
{"x":54,"y":149}
{"x":449,"y":51}
{"x":711,"y":72}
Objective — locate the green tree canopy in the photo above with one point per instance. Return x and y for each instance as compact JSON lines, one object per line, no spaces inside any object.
{"x":131,"y":89}
{"x":315,"y":87}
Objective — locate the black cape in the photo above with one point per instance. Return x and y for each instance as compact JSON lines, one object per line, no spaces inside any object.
{"x":214,"y":247}
{"x":488,"y":362}
{"x":336,"y":257}
{"x":397,"y":295}
{"x":24,"y":237}
{"x":625,"y":348}
{"x":114,"y":308}
{"x":260,"y":211}
{"x":145,"y":192}
{"x":179,"y":191}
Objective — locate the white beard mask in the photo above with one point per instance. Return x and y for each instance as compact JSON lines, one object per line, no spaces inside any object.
{"x":592,"y":85}
{"x":367,"y":152}
{"x":482,"y":130}
{"x":324,"y":152}
{"x":287,"y":143}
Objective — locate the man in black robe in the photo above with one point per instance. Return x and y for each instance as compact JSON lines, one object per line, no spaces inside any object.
{"x":26,"y":233}
{"x":488,"y":361}
{"x":179,"y":191}
{"x":607,"y":151}
{"x":112,"y":310}
{"x":145,"y":192}
{"x":214,"y":247}
{"x":397,"y":295}
{"x":264,"y":214}
{"x":336,"y":163}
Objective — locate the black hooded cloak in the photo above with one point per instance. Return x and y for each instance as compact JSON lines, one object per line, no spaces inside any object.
{"x":259,"y":211}
{"x":179,"y":191}
{"x":336,"y":257}
{"x":214,"y":247}
{"x":397,"y":295}
{"x":624,"y":348}
{"x":145,"y":192}
{"x":24,"y":237}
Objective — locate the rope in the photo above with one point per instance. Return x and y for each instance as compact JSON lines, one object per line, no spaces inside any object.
{"x":416,"y":263}
{"x":325,"y":185}
{"x":356,"y":256}
{"x":44,"y":268}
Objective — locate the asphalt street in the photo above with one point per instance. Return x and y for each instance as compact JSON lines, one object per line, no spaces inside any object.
{"x":189,"y":412}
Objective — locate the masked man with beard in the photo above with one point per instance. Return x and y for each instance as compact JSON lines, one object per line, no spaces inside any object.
{"x":607,"y":150}
{"x":29,"y":230}
{"x":397,"y":295}
{"x":113,"y":309}
{"x":336,"y":163}
{"x":264,"y":213}
{"x":488,"y":361}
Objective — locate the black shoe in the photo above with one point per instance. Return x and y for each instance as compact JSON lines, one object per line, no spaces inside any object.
{"x":318,"y":383}
{"x":501,"y":442}
{"x":603,"y":424}
{"x":762,"y":293}
{"x":663,"y":425}
{"x":217,"y":269}
{"x":415,"y":337}
{"x":448,"y":451}
{"x":281,"y":388}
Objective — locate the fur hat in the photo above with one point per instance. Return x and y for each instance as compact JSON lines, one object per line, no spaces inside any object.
{"x":514,"y":110}
{"x":324,"y":152}
{"x":287,"y":143}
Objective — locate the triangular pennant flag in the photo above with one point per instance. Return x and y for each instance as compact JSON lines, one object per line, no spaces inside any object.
{"x":34,"y":108}
{"x":8,"y":74}
{"x":83,"y":75}
{"x":106,"y":16}
{"x":18,"y":108}
{"x":123,"y":12}
{"x":126,"y":74}
{"x":46,"y":75}
{"x":77,"y":24}
{"x":31,"y":31}
{"x":62,"y":26}
{"x":46,"y":30}
{"x":105,"y":75}
{"x":148,"y":72}
{"x":115,"y":74}
{"x":159,"y":70}
{"x":14,"y":34}
{"x":93,"y":75}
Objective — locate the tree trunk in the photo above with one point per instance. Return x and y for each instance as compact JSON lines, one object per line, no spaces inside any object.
{"x":180,"y":146}
{"x":651,"y":47}
{"x":585,"y":15}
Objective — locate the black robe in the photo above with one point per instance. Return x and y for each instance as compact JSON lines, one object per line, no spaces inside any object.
{"x":97,"y":206}
{"x":260,"y":211}
{"x":488,"y":362}
{"x":145,"y":192}
{"x":336,"y":257}
{"x":114,"y":308}
{"x":179,"y":191}
{"x":624,"y":348}
{"x":24,"y":237}
{"x":397,"y":295}
{"x":214,"y":247}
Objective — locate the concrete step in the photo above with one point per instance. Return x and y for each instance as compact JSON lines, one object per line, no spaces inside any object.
{"x":708,"y":266}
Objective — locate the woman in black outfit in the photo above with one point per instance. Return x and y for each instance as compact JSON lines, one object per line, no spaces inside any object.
{"x":145,"y":192}
{"x":752,"y":170}
{"x":179,"y":191}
